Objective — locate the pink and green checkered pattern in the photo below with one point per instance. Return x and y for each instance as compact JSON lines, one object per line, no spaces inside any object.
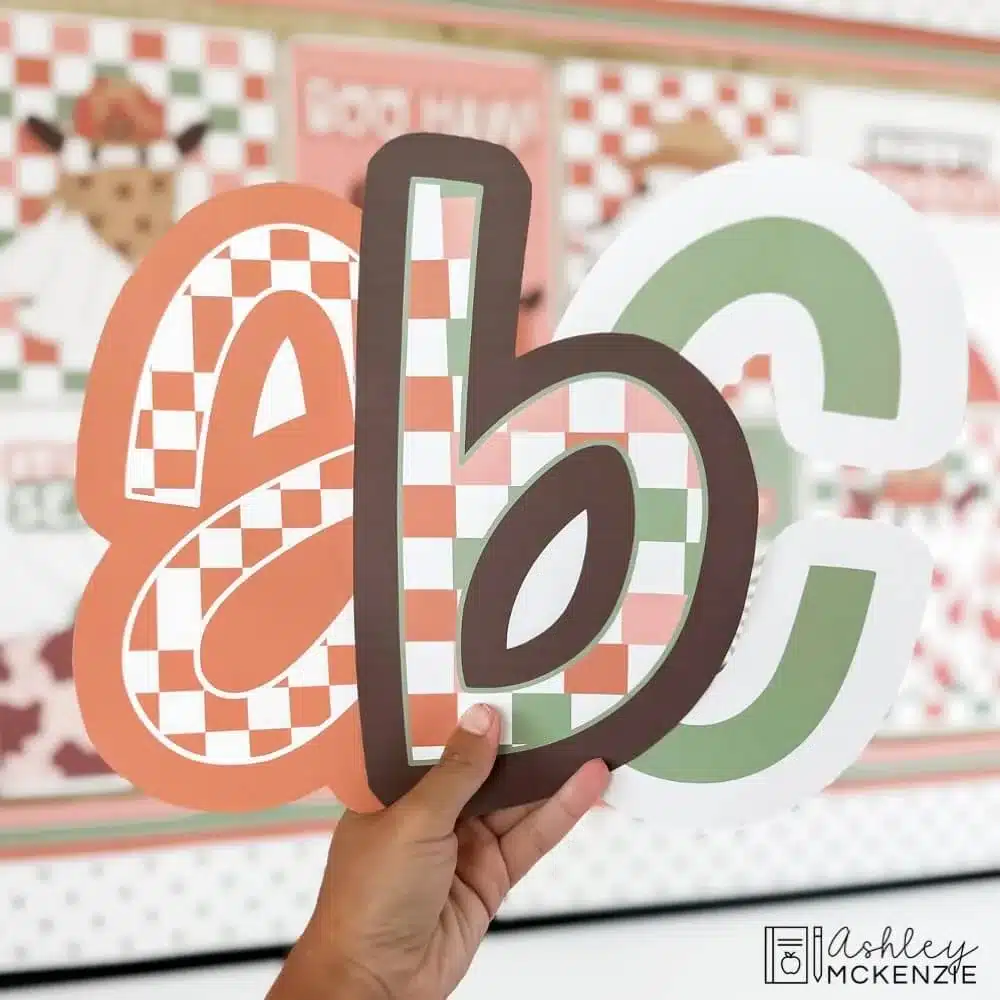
{"x":448,"y":506}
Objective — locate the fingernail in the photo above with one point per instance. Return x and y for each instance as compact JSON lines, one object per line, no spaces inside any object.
{"x":477,"y":720}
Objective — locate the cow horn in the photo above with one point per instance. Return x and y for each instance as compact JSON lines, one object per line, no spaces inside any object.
{"x":190,"y":139}
{"x":48,"y":134}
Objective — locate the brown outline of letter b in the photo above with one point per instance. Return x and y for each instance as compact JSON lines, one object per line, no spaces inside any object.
{"x":499,"y":382}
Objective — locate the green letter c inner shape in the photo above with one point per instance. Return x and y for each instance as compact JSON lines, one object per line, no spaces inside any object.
{"x":854,"y":320}
{"x":804,"y":262}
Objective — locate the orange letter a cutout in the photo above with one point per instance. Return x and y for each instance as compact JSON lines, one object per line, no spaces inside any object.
{"x":214,"y":646}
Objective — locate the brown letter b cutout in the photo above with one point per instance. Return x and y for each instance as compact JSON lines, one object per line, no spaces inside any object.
{"x":471,"y":460}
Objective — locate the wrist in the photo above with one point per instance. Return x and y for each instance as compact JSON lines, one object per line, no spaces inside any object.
{"x":353,"y":982}
{"x":313,"y":973}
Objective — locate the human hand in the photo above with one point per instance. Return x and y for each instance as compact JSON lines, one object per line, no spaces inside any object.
{"x":410,"y":891}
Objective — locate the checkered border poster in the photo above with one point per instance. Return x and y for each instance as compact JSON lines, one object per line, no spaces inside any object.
{"x":611,"y":114}
{"x":47,"y":61}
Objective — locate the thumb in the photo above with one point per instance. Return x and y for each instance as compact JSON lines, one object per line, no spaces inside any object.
{"x":437,"y":800}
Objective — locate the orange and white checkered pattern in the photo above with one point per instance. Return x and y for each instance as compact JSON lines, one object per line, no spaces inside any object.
{"x":181,"y":372}
{"x":161,"y":654}
{"x":162,"y":663}
{"x":611,"y":112}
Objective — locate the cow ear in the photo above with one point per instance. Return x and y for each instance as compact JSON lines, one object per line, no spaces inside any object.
{"x":191,"y":138}
{"x":46,"y":133}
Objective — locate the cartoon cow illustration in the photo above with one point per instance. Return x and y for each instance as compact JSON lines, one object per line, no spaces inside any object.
{"x":115,"y":196}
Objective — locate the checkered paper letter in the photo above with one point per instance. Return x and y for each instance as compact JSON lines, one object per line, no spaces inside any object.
{"x":216,"y":457}
{"x":531,"y":530}
{"x":227,"y":448}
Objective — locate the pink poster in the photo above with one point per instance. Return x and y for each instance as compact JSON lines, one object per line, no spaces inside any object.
{"x":352,"y":96}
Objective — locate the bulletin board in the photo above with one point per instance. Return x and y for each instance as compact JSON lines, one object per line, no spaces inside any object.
{"x":590,"y":96}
